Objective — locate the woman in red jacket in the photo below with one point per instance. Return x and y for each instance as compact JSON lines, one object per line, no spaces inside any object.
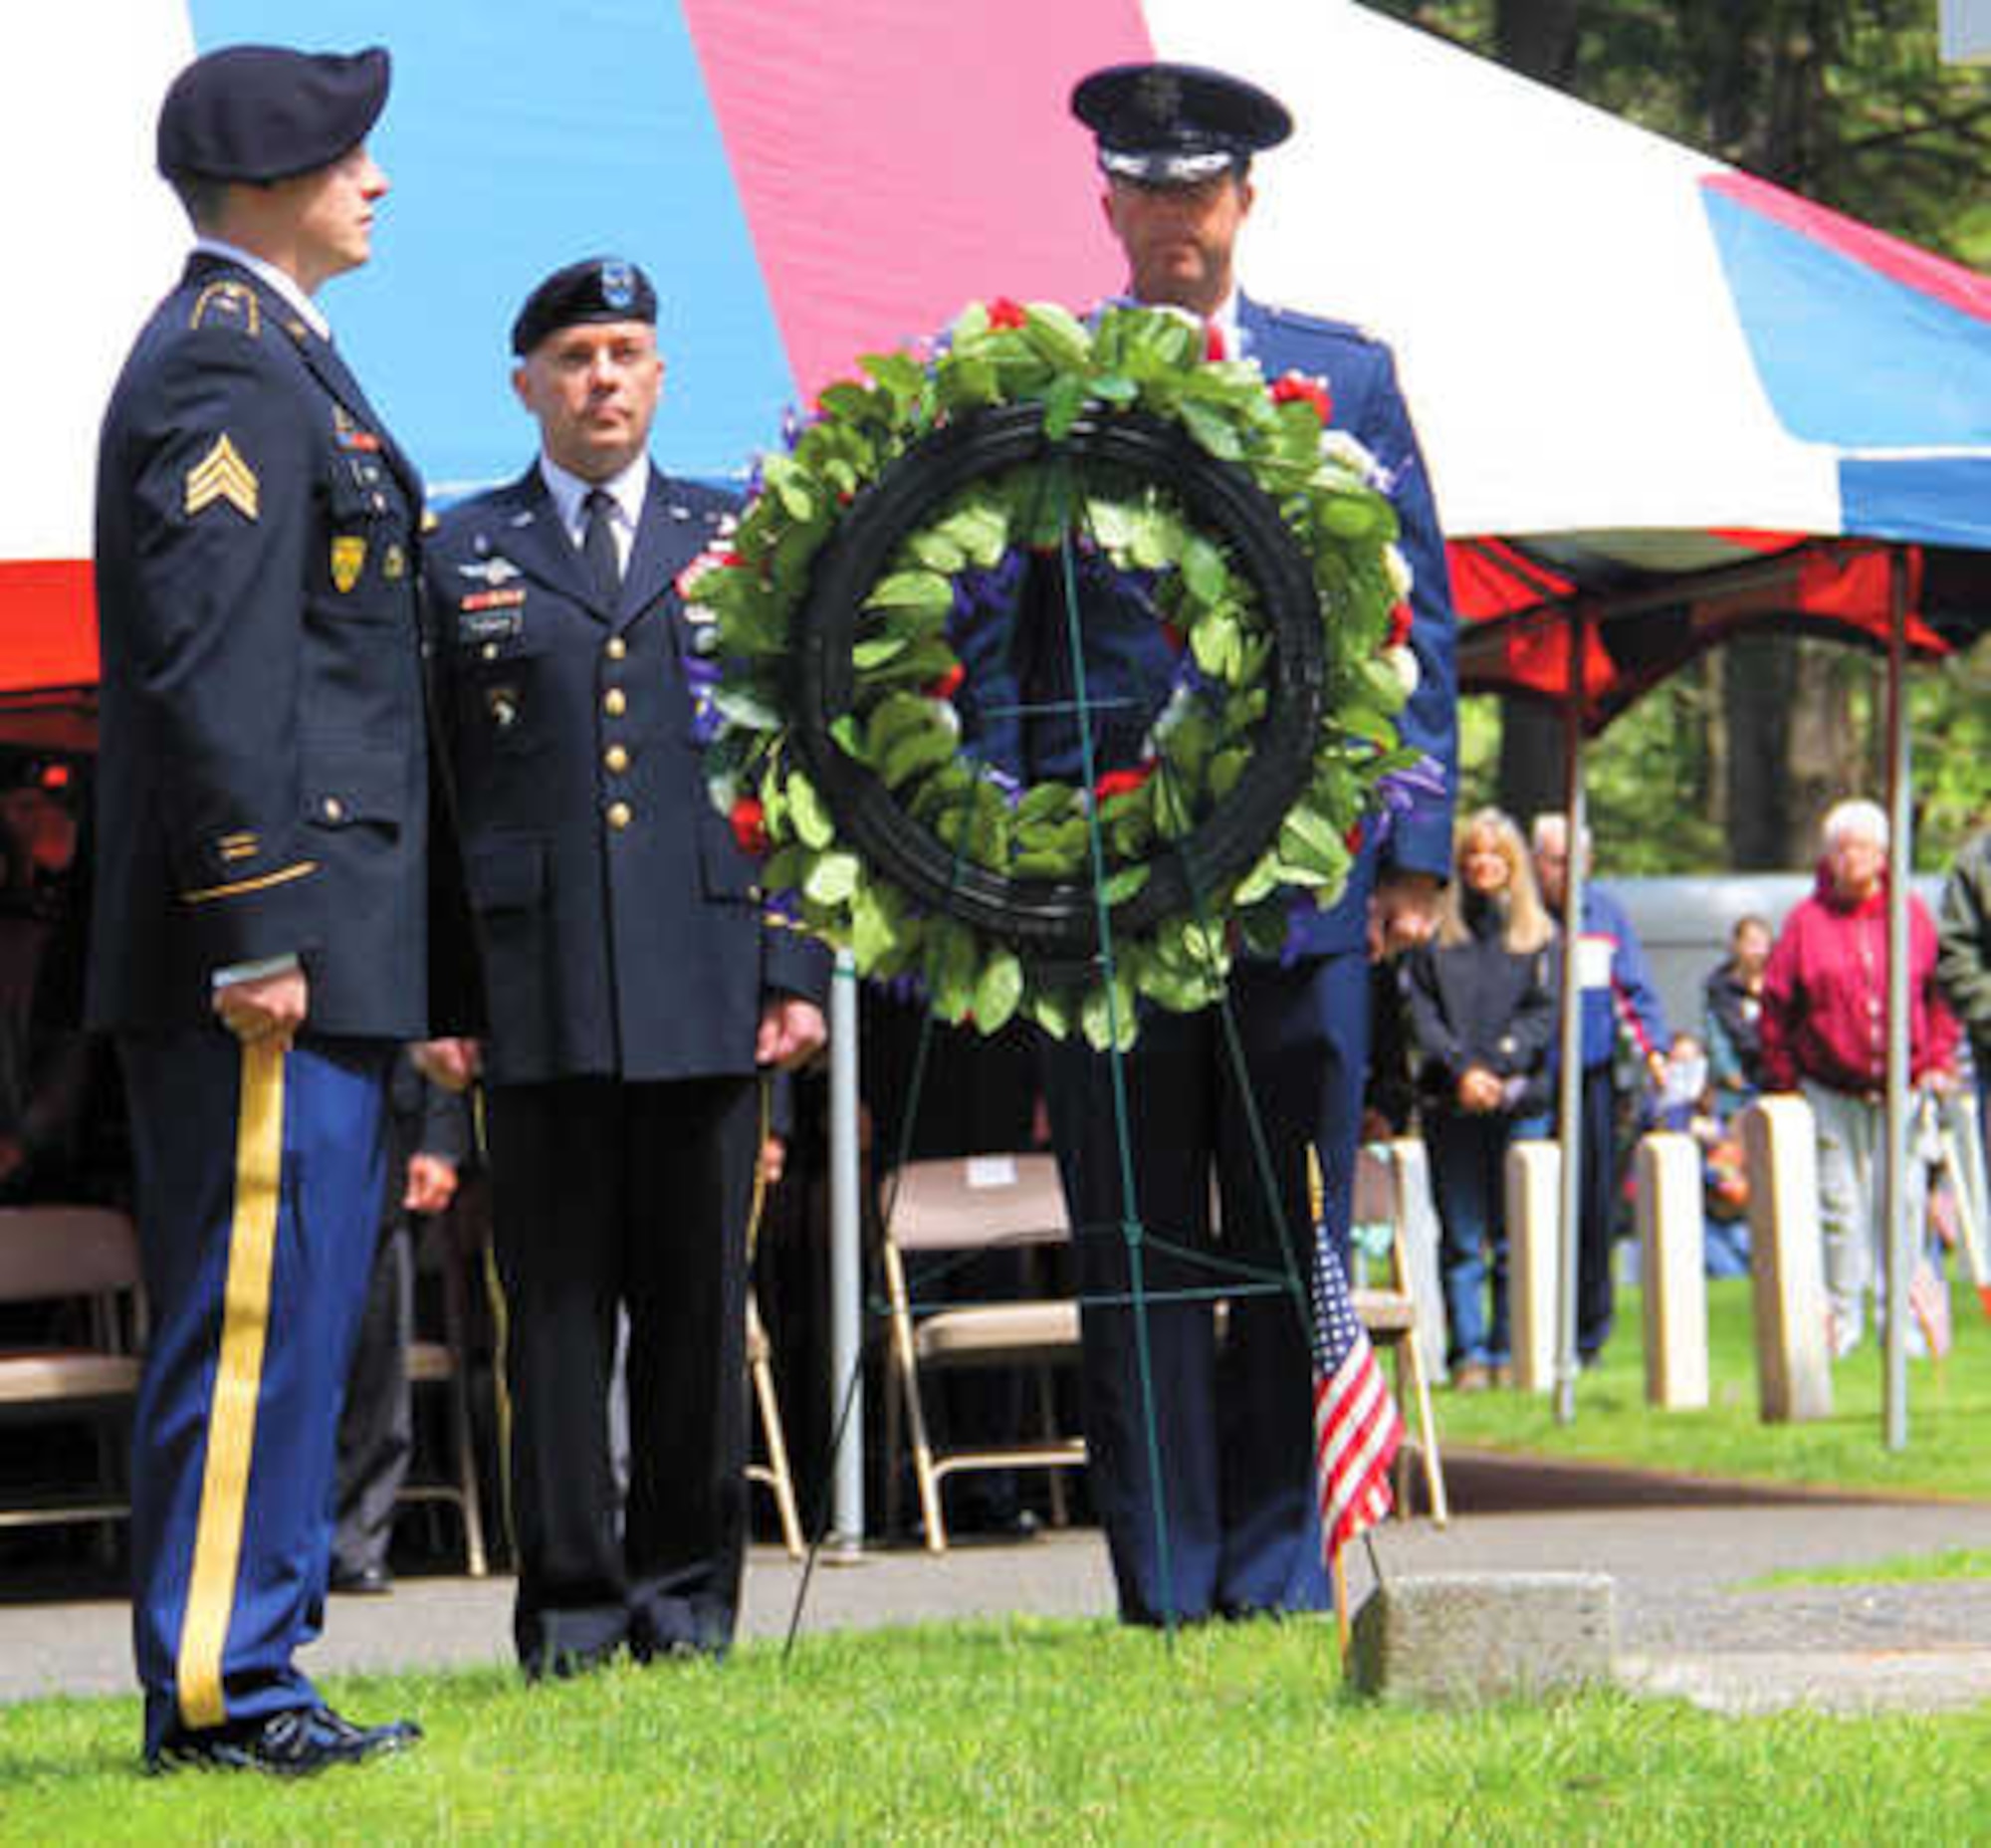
{"x":1824,"y":1033}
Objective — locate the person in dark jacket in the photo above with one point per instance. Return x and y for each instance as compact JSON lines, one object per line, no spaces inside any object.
{"x":1216,"y":1516}
{"x":1481,"y":1008}
{"x":1734,"y":1010}
{"x":1963,"y":954}
{"x":428,"y":1136}
{"x":639,"y":986}
{"x":1624,"y":1027}
{"x":264,"y":927}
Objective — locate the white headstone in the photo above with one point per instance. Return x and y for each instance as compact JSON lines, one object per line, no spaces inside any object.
{"x":1534,"y":1259}
{"x":1786,"y":1262}
{"x":1672,"y":1236}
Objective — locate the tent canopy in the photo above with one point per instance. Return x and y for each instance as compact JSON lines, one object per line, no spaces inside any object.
{"x":1693,"y":388}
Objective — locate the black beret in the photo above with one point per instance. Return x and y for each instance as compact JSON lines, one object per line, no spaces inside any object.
{"x":260,"y":113}
{"x":1169,"y":125}
{"x":594,"y":288}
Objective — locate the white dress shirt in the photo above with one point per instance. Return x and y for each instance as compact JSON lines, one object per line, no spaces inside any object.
{"x":625,"y":490}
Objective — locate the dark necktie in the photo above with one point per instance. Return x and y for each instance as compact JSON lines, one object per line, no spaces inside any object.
{"x":598,"y":548}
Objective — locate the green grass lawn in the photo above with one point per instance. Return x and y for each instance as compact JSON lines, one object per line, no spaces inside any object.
{"x":1953,"y":1563}
{"x":1063,"y":1732}
{"x":1949,"y":1414}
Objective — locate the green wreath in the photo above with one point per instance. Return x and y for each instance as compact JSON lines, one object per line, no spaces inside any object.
{"x":895,"y":726}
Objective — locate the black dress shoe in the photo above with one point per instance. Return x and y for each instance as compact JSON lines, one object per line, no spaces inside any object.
{"x":366,"y":1581}
{"x":293,"y":1743}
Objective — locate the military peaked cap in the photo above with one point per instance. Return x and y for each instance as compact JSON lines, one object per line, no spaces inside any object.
{"x":1170,"y":125}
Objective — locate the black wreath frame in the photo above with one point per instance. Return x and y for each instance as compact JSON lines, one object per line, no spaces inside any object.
{"x":1058,"y":921}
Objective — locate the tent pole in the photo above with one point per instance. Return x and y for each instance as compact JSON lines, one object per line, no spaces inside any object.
{"x":846,"y":1262}
{"x":1903,"y":1240}
{"x":1569,"y":1126}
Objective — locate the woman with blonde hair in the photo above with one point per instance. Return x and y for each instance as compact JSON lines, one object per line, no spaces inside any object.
{"x":1482,"y":1006}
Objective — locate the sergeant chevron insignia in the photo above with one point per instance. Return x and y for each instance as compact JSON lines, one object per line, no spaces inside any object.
{"x":348,"y":560}
{"x":221,"y":475}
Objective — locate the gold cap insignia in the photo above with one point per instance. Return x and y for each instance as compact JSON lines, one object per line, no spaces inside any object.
{"x":221,"y":475}
{"x":348,"y":560}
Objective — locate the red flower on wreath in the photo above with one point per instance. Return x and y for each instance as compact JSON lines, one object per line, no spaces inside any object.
{"x":748,"y":818}
{"x":1399,"y":625}
{"x":1173,"y":639}
{"x":1122,"y":781}
{"x":1352,"y":841}
{"x":1004,"y":312}
{"x":710,"y":560}
{"x":1294,"y":388}
{"x":948,"y":683}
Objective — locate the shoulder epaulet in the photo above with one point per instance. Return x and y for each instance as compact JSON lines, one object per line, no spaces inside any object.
{"x":1317,"y":323}
{"x":474,"y":524}
{"x":227,"y":303}
{"x":704,"y":503}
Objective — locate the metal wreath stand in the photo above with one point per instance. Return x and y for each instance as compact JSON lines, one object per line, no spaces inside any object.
{"x":1067,"y":926}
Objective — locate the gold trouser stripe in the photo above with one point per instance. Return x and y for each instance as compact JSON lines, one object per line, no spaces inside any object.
{"x":238,"y":1377}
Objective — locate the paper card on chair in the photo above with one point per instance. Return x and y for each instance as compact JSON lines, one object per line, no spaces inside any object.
{"x":992,"y":1171}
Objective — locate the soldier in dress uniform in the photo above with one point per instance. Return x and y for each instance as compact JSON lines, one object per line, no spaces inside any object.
{"x":1175,"y":144}
{"x":637,"y":986}
{"x":261,"y":930}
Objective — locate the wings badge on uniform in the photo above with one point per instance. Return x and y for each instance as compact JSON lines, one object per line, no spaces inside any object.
{"x":221,"y":475}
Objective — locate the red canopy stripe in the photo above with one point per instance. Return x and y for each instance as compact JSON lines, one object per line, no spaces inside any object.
{"x":48,"y":618}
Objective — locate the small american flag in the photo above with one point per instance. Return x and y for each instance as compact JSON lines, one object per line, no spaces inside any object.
{"x":1356,"y":1428}
{"x":1929,"y":1303}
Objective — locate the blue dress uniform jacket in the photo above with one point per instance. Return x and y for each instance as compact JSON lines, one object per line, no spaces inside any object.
{"x":1368,"y":404}
{"x":262,"y":782}
{"x":629,"y":962}
{"x":616,"y":910}
{"x":1231,"y":1527}
{"x":263,"y":792}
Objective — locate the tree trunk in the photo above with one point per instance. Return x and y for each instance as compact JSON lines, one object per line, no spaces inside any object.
{"x":1832,"y":752}
{"x":1538,"y":36}
{"x":1758,"y":678}
{"x":1530,"y":777}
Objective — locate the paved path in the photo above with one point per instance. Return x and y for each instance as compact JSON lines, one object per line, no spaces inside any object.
{"x":1681,"y":1556}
